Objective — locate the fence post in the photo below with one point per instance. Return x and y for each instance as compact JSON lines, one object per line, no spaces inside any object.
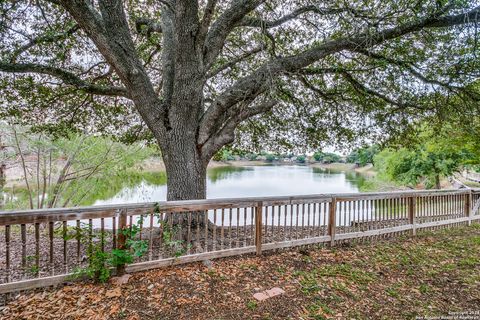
{"x":258,"y":227}
{"x":122,"y":225}
{"x":468,"y":206}
{"x":332,"y":221}
{"x":412,"y":202}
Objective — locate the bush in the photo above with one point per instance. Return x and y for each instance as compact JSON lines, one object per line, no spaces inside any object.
{"x":318,"y":156}
{"x":223,"y":155}
{"x":326,"y":157}
{"x":301,"y":159}
{"x":270,"y":157}
{"x":251,"y":156}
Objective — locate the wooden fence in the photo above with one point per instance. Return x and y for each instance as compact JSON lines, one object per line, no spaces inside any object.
{"x":43,"y":247}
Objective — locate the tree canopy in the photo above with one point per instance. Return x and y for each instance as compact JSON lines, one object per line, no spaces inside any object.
{"x":435,"y":155}
{"x":193,"y":75}
{"x":345,"y":59}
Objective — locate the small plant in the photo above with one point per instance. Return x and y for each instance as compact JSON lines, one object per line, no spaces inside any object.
{"x":424,"y":289}
{"x":281,"y":270}
{"x":469,"y":262}
{"x":251,"y":305}
{"x":211,"y":273}
{"x":309,"y":283}
{"x":392,"y":292}
{"x":98,"y":267}
{"x":32,"y":267}
{"x":100,"y":262}
{"x":177,"y":245}
{"x":249,"y":266}
{"x":169,"y":235}
{"x":319,"y":311}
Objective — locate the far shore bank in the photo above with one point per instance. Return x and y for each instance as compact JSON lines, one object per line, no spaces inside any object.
{"x":156,"y":164}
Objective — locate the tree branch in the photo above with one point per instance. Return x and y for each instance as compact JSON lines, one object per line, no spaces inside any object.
{"x":43,"y":39}
{"x":66,"y":76}
{"x":226,"y":134}
{"x":258,"y":81}
{"x":233,"y":62}
{"x":261,"y":23}
{"x":222,"y":27}
{"x":364,"y":90}
{"x":408,"y":66}
{"x":311,"y":87}
{"x":206,"y":19}
{"x":108,"y":29}
{"x":454,"y":20}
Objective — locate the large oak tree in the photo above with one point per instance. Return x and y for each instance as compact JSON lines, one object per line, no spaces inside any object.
{"x":198,"y":71}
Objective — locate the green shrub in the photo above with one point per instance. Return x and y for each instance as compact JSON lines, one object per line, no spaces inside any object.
{"x":270,"y":157}
{"x":301,"y":159}
{"x":251,"y":156}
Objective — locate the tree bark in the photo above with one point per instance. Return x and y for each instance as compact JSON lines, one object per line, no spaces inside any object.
{"x":186,"y":170}
{"x":3,"y":180}
{"x":186,"y":180}
{"x":437,"y":182}
{"x":3,"y":167}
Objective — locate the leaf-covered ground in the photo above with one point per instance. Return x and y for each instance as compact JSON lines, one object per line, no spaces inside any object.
{"x":435,"y":273}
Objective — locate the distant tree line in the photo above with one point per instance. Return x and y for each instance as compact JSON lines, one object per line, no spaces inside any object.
{"x":232,"y":154}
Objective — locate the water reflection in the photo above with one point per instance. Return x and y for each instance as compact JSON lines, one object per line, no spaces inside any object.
{"x":230,"y":172}
{"x":125,"y":187}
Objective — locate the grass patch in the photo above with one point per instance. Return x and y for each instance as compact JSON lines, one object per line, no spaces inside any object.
{"x":319,"y":311}
{"x":348,"y":272}
{"x":252,"y":305}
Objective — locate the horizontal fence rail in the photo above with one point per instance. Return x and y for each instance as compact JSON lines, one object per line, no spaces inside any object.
{"x":44,"y":247}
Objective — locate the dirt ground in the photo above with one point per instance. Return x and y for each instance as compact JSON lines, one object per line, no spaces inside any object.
{"x":434,"y":274}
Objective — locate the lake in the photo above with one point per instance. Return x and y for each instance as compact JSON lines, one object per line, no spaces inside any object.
{"x":251,"y":181}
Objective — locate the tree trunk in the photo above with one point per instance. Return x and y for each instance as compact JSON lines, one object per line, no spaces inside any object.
{"x":437,"y":182}
{"x":3,"y":180}
{"x":3,"y":176}
{"x":186,"y":172}
{"x":186,"y":178}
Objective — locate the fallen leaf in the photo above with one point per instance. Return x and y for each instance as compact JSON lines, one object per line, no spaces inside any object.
{"x":117,"y":292}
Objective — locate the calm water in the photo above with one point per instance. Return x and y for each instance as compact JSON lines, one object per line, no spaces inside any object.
{"x":251,"y":181}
